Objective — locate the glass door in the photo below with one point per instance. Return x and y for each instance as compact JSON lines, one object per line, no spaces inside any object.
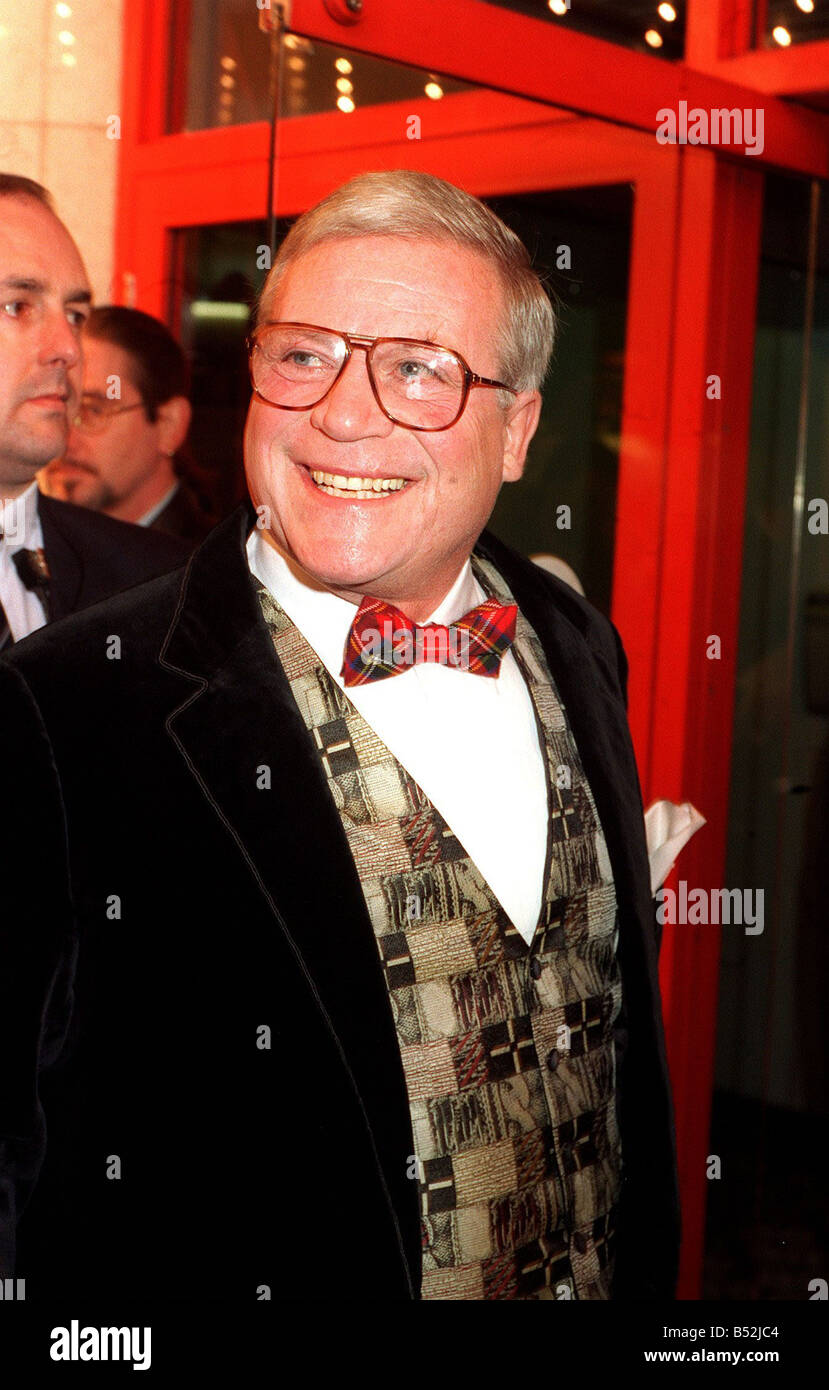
{"x":771,"y":1098}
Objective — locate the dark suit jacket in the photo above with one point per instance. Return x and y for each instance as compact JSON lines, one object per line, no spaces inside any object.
{"x":184,"y":516}
{"x":164,"y":908}
{"x":91,"y":556}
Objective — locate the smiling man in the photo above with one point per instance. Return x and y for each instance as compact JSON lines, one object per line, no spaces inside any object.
{"x":54,"y":559}
{"x":342,"y":980}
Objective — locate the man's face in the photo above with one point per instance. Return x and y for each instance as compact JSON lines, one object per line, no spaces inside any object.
{"x":44,"y":297}
{"x":406,"y":546}
{"x":103,"y":470}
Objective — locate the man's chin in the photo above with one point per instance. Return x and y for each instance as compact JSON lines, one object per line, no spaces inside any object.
{"x":346,"y":579}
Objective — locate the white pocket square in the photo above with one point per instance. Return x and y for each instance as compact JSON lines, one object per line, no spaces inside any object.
{"x":668,"y":828}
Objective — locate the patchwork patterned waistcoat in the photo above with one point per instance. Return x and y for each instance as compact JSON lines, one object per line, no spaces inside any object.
{"x":507,"y":1049}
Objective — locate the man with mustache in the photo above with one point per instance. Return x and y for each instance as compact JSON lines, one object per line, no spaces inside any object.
{"x":343,"y":979}
{"x":122,"y":455}
{"x":54,"y":558}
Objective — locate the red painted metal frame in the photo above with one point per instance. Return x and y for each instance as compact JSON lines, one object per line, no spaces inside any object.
{"x":695,"y":241}
{"x":719,"y":40}
{"x":506,"y":51}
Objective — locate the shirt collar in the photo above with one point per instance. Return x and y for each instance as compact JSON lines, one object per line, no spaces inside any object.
{"x":20,"y":520}
{"x":325,"y":618}
{"x":149,"y":517}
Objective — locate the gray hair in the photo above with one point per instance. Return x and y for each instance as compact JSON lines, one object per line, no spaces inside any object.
{"x":404,"y":203}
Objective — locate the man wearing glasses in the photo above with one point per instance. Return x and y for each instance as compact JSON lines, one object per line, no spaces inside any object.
{"x":346,"y":984}
{"x":123,"y":452}
{"x":54,"y":559}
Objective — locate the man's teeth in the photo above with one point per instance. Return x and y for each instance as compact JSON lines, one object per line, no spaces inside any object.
{"x":337,"y":484}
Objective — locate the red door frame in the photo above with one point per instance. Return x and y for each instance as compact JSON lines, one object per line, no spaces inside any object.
{"x":695,"y":249}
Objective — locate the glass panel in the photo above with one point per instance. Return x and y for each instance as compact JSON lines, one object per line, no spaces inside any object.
{"x":795,"y":21}
{"x":217,"y":280}
{"x":227,"y":79}
{"x":772,"y":1031}
{"x":565,"y":505}
{"x":574,"y":458}
{"x":644,"y":25}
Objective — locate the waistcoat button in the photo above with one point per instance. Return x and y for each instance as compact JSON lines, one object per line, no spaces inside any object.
{"x":553,"y":1059}
{"x":535,"y":967}
{"x":580,"y":1242}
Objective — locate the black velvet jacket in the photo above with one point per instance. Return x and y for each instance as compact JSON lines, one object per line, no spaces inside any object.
{"x":161,"y":908}
{"x":91,"y":556}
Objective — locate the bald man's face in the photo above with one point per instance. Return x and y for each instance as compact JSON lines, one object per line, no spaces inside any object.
{"x":44,"y":302}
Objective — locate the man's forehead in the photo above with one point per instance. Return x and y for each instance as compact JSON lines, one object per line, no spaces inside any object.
{"x":36,"y":246}
{"x":430,"y":283}
{"x":103,"y":359}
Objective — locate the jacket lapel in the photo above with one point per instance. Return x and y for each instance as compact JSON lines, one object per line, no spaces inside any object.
{"x":65,"y":564}
{"x":237,"y":728}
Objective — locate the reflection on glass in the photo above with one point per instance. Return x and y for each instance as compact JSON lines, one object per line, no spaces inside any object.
{"x":795,"y":21}
{"x":565,"y":505}
{"x":772,"y":1028}
{"x":226,"y":60}
{"x":640,"y":24}
{"x":219,"y":273}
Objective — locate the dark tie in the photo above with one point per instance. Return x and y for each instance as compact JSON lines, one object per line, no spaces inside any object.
{"x":382,"y":641}
{"x":33,"y":570}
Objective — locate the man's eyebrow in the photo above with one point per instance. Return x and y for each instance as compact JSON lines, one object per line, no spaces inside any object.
{"x":22,"y":282}
{"x":29,"y":286}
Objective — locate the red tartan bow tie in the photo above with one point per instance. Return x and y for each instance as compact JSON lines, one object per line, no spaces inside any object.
{"x":383,"y":642}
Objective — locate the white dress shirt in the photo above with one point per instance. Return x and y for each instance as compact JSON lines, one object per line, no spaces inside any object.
{"x":21,"y":530}
{"x":149,"y":516}
{"x":470,"y":742}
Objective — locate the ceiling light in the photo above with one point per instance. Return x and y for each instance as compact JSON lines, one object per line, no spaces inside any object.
{"x":296,"y":64}
{"x":344,"y":85}
{"x":807,"y":6}
{"x":654,"y":38}
{"x":558,"y":6}
{"x":345,"y":104}
{"x":228,"y":64}
{"x":68,"y":59}
{"x":63,"y":11}
{"x":65,"y":37}
{"x":219,"y":309}
{"x":666,"y":12}
{"x":343,"y":65}
{"x":433,"y":90}
{"x":781,"y":35}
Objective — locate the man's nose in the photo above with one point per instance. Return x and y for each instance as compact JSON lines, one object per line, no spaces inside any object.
{"x":350,"y":411}
{"x":59,"y":341}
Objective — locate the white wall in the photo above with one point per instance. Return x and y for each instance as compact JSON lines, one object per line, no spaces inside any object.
{"x":56,"y":99}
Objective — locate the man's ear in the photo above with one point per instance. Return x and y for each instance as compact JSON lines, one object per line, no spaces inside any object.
{"x":173,"y":423}
{"x":520,"y":424}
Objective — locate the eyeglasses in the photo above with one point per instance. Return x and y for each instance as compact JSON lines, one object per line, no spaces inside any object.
{"x":94,"y":416}
{"x":417,"y":385}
